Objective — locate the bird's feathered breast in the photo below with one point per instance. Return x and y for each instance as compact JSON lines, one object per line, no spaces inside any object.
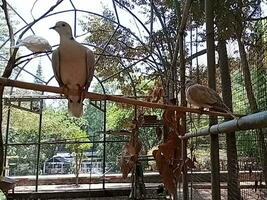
{"x":73,"y":64}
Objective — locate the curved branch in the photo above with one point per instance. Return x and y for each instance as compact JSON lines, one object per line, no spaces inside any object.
{"x":11,"y":62}
{"x":10,"y":29}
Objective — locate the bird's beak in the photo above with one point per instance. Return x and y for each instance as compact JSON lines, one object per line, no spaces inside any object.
{"x":53,"y":27}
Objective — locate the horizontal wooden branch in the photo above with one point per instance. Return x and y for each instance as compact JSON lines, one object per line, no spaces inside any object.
{"x":96,"y":96}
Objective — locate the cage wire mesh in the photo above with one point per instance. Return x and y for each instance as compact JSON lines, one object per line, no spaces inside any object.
{"x":249,"y":147}
{"x":249,"y":151}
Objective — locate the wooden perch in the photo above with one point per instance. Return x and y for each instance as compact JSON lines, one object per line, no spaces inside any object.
{"x":96,"y":96}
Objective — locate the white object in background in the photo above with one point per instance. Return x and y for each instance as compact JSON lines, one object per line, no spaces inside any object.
{"x":34,"y":43}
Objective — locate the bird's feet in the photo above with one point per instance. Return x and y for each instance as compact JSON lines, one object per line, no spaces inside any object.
{"x":201,"y":110}
{"x":81,"y":92}
{"x":66,"y":90}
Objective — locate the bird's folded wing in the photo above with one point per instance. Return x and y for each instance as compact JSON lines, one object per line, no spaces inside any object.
{"x":33,"y":41}
{"x":214,"y":96}
{"x":41,"y":40}
{"x":56,"y":67}
{"x":201,"y":95}
{"x":205,"y":95}
{"x":27,"y":39}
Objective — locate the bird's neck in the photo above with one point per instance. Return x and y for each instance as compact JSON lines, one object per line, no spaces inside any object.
{"x":64,"y":38}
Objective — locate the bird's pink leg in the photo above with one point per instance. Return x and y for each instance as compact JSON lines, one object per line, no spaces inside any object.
{"x":66,"y":90}
{"x":81,"y":92}
{"x":201,"y":109}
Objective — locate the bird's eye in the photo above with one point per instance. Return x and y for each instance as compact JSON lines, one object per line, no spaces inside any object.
{"x":63,"y":24}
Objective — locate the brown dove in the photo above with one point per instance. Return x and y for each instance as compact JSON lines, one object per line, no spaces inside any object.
{"x":73,"y":65}
{"x":205,"y":97}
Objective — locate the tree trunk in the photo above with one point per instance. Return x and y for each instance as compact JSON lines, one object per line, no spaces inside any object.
{"x":247,"y":77}
{"x":214,"y":146}
{"x":232,"y":166}
{"x":252,"y":101}
{"x":78,"y":161}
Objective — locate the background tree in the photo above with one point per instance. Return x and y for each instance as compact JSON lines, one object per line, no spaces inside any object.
{"x":78,"y":148}
{"x":24,"y":130}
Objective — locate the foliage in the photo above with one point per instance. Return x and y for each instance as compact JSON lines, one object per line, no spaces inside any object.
{"x":121,"y":45}
{"x":78,"y":148}
{"x":233,"y":18}
{"x":119,"y":118}
{"x":247,"y":144}
{"x":56,"y":126}
{"x":3,"y":37}
{"x":39,"y":74}
{"x":2,"y":195}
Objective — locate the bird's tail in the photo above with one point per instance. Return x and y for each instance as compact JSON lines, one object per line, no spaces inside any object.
{"x":231,"y":114}
{"x":75,"y":108}
{"x":223,"y":108}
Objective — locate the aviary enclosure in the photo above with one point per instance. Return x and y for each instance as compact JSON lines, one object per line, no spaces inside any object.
{"x":138,"y":137}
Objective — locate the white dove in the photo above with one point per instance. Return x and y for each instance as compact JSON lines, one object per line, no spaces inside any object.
{"x":205,"y":97}
{"x":34,"y":43}
{"x":73,"y":66}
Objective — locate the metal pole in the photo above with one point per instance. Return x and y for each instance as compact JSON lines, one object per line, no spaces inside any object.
{"x":7,"y":137}
{"x":214,"y":140}
{"x":253,"y":121}
{"x":39,"y":144}
{"x":183,"y":119}
{"x":104,"y":143}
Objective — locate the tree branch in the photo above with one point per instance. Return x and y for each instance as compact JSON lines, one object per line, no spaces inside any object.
{"x":10,"y":29}
{"x":181,"y":28}
{"x":11,"y":62}
{"x":195,"y":55}
{"x":96,"y":96}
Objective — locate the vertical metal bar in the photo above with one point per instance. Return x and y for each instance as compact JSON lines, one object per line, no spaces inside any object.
{"x":75,"y":18}
{"x":191,"y":175}
{"x":7,"y":136}
{"x":183,"y":118}
{"x":75,"y":25}
{"x":190,"y":116}
{"x":214,"y":147}
{"x":197,"y":70}
{"x":39,"y":145}
{"x":191,"y":51}
{"x":104,"y":143}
